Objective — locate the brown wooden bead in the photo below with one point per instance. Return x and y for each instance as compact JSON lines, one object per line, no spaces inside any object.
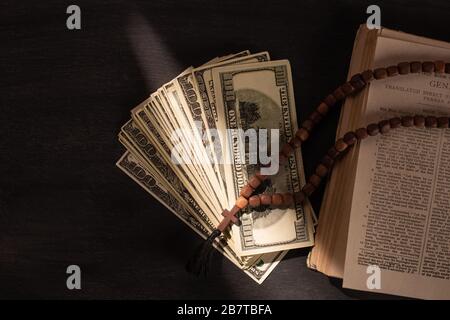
{"x":431,"y":122}
{"x":295,"y":142}
{"x":241,"y":202}
{"x":255,"y":181}
{"x":380,"y":73}
{"x":261,"y":177}
{"x":447,"y":68}
{"x":428,"y":66}
{"x":404,"y":68}
{"x":327,"y":161}
{"x":367,"y":76}
{"x":439,"y":66}
{"x":347,"y":88}
{"x":308,"y":189}
{"x":299,"y":197}
{"x":350,"y":138}
{"x":302,"y":134}
{"x":287,"y":149}
{"x":333,"y":153}
{"x":330,"y":100}
{"x":340,"y":145}
{"x":443,"y":122}
{"x":419,"y":121}
{"x":357,"y":82}
{"x":407,"y":121}
{"x":339,"y":94}
{"x":308,"y":125}
{"x":392,"y":71}
{"x":321,"y":170}
{"x":277,"y":200}
{"x":384,"y":126}
{"x":246,"y":191}
{"x":322,"y":108}
{"x":315,"y":117}
{"x":254,"y":201}
{"x":266,"y":199}
{"x":288,"y":199}
{"x":395,"y":122}
{"x":416,"y":67}
{"x":361,"y":133}
{"x":373,"y":129}
{"x":315,"y":180}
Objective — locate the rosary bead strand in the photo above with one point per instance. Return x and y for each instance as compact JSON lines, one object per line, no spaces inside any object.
{"x":357,"y":83}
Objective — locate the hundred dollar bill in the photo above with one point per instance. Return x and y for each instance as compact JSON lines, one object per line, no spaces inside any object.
{"x":258,"y":271}
{"x":256,"y":96}
{"x":141,"y":146}
{"x":198,"y":90}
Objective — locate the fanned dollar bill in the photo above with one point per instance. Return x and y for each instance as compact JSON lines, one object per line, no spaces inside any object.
{"x":256,"y":96}
{"x":198,"y":191}
{"x":258,"y":271}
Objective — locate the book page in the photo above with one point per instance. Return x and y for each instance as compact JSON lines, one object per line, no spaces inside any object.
{"x":400,"y":217}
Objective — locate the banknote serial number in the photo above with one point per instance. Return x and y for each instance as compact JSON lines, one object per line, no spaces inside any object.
{"x":225,"y":309}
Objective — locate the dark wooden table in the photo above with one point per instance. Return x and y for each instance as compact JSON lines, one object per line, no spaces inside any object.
{"x":65,"y":94}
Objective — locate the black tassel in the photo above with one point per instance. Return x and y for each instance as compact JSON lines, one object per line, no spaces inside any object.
{"x":200,"y":261}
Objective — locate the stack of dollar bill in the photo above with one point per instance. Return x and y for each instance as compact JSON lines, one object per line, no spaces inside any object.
{"x":178,"y":142}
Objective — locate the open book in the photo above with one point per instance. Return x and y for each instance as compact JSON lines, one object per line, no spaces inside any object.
{"x":387,"y":202}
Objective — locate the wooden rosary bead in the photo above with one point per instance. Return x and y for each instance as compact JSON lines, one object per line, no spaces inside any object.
{"x":373,"y":129}
{"x":322,"y":108}
{"x":288,"y":199}
{"x":350,"y":138}
{"x":404,"y":68}
{"x":277,"y":200}
{"x":347,"y":88}
{"x":392,"y":71}
{"x":339,"y":94}
{"x":295,"y":142}
{"x":443,"y":122}
{"x":367,"y":76}
{"x":439,"y":66}
{"x":380,"y":73}
{"x":395,"y":122}
{"x":428,"y":66}
{"x":361,"y":133}
{"x":431,"y":122}
{"x":419,"y":121}
{"x":407,"y":121}
{"x":416,"y":67}
{"x":266,"y":199}
{"x":327,"y":161}
{"x":384,"y":126}
{"x":447,"y":68}
{"x":241,"y":202}
{"x":254,"y":201}
{"x":308,"y":125}
{"x":302,"y":134}
{"x":315,"y":117}
{"x":357,"y":82}
{"x":246,"y":191}
{"x":340,"y":145}
{"x":255,"y":181}
{"x":333,"y":153}
{"x":315,"y":180}
{"x":287,"y":149}
{"x":299,"y":197}
{"x":308,"y":189}
{"x":321,"y":170}
{"x":330,"y":100}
